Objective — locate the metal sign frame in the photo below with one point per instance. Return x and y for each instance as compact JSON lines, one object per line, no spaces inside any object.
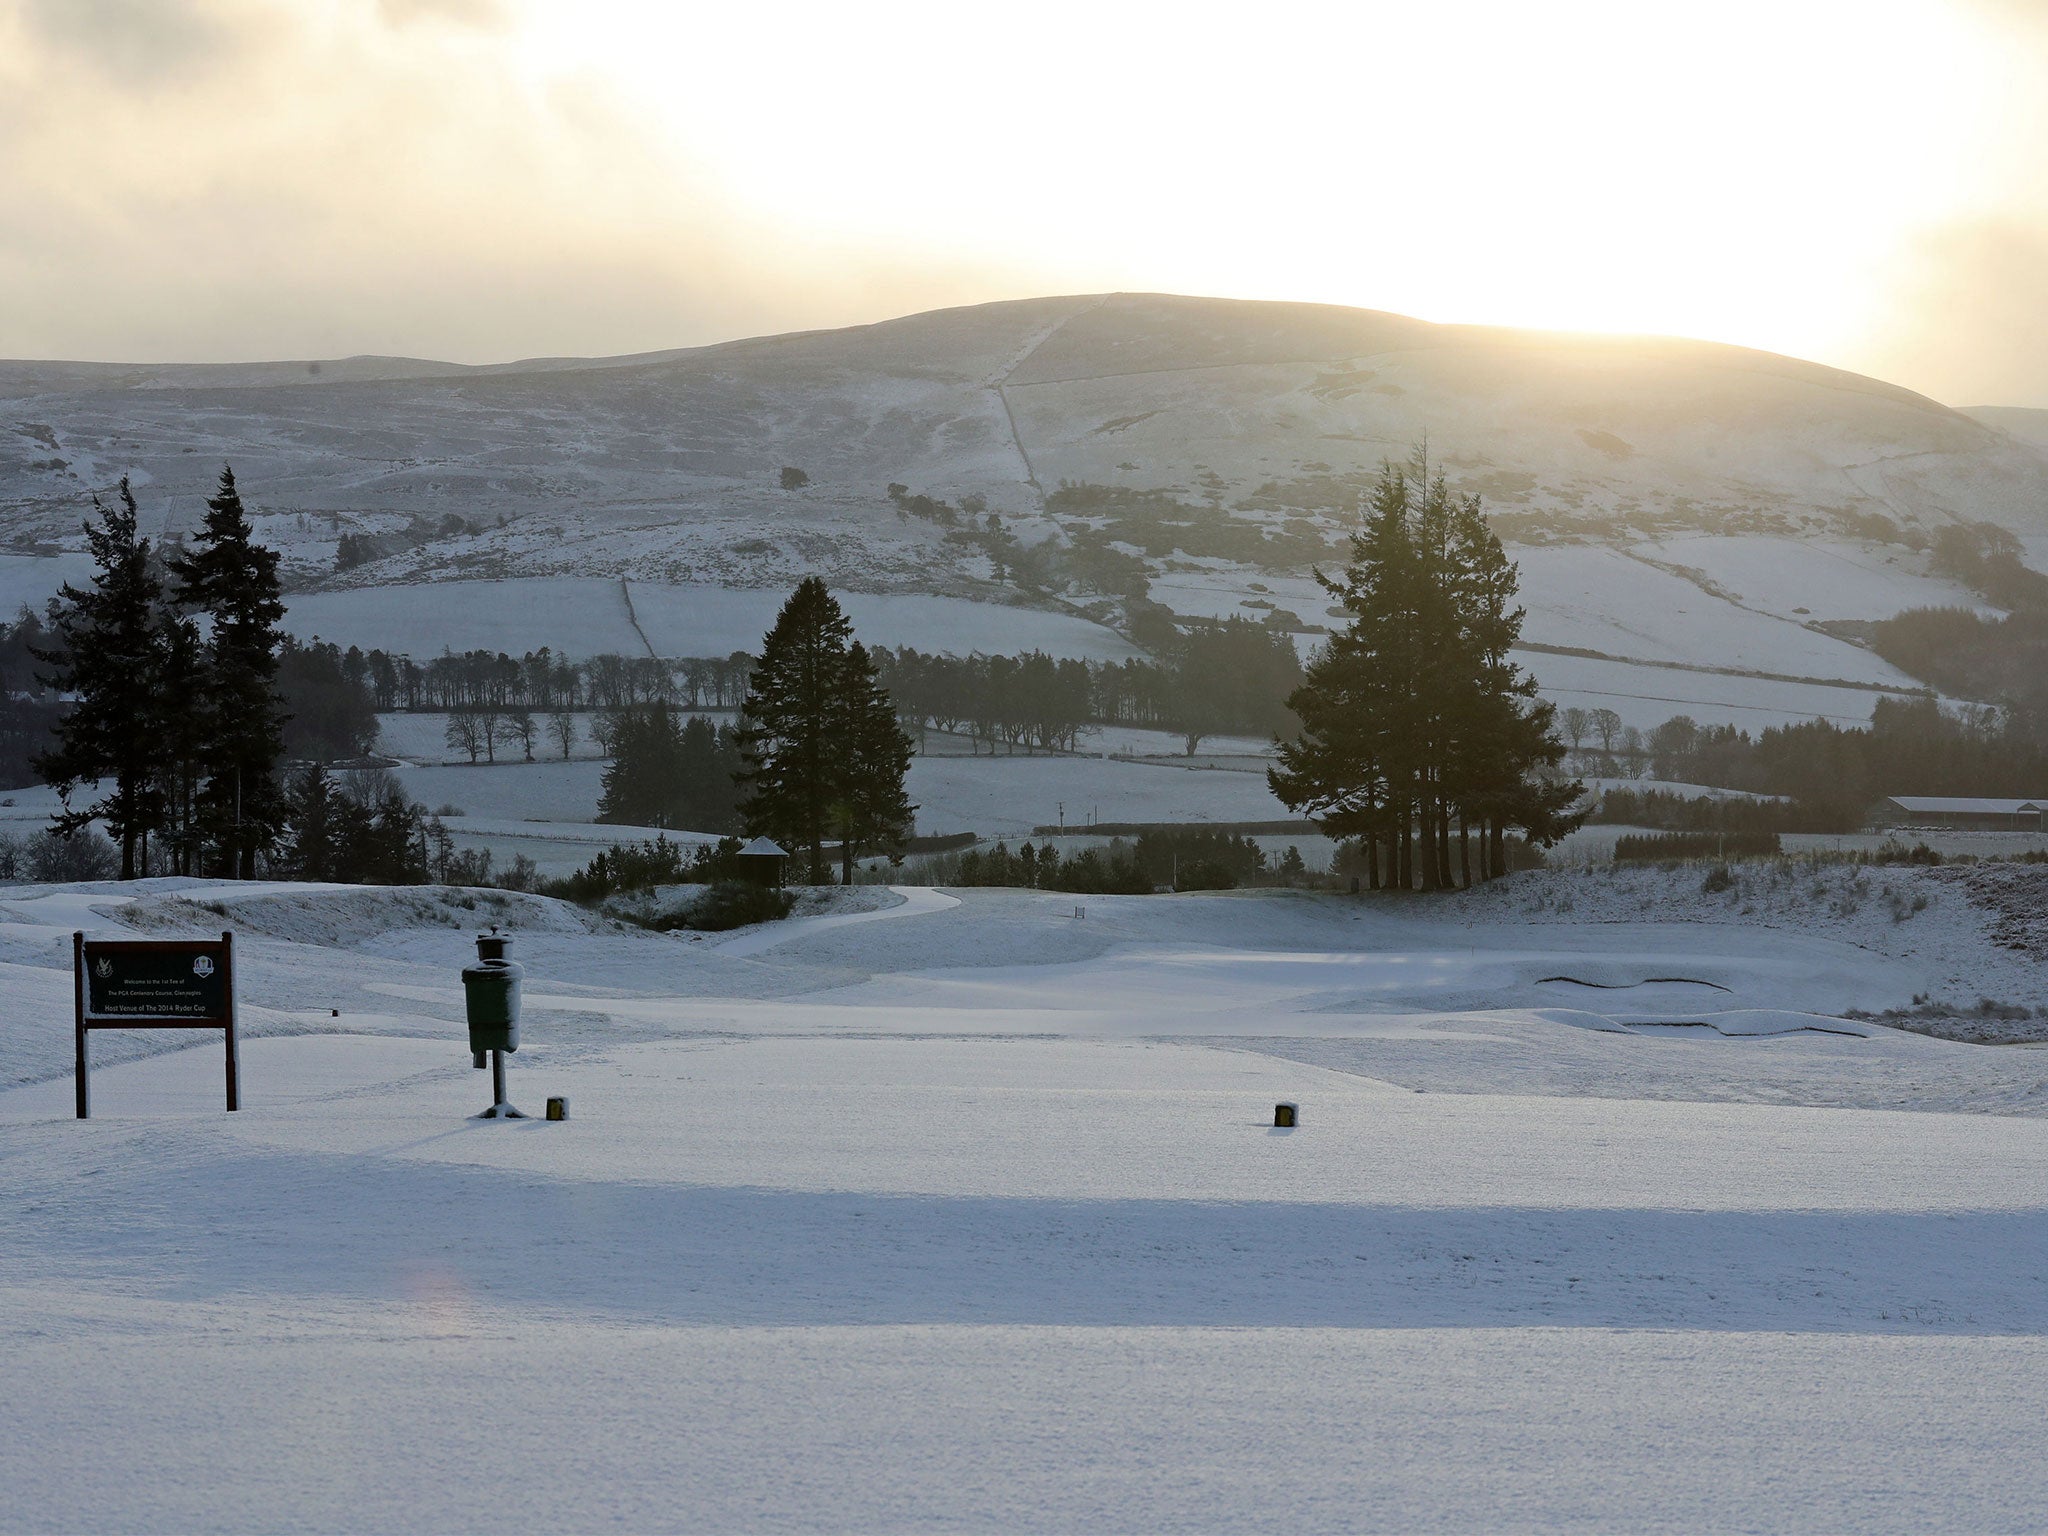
{"x":84,"y":951}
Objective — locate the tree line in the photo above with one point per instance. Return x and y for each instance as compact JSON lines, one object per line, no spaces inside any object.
{"x":1230,"y":678}
{"x":541,"y":680}
{"x":1833,"y":775}
{"x":359,"y":827}
{"x":674,"y":771}
{"x":328,"y":716}
{"x":1998,"y":659}
{"x":817,"y":756}
{"x":1177,"y":859}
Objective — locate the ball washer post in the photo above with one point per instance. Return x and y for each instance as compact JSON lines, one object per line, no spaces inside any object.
{"x":491,"y":994}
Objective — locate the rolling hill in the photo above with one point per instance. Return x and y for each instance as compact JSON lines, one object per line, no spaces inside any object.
{"x":1684,"y":511}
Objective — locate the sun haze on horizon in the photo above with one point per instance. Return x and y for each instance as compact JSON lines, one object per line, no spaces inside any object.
{"x":486,"y":179}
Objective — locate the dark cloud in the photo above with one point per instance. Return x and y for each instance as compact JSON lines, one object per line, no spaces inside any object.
{"x":133,"y":41}
{"x":432,"y":206}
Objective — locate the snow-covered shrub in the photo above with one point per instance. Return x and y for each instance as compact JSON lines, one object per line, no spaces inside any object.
{"x":728,"y":904}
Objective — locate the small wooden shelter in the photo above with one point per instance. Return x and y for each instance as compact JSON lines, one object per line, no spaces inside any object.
{"x":762,"y":862}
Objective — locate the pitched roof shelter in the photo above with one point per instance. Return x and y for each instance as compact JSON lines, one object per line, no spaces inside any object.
{"x":762,"y":862}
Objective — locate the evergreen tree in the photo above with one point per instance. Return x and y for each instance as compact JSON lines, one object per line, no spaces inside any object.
{"x":309,"y":847}
{"x":233,"y":581}
{"x":790,"y":749}
{"x":109,"y":656}
{"x":705,"y":799}
{"x":1352,"y":763}
{"x":873,"y":811}
{"x":646,"y":748}
{"x":1507,"y":773}
{"x":1415,"y":717}
{"x":671,"y":772}
{"x":182,"y":728}
{"x":373,"y":833}
{"x":333,"y":704}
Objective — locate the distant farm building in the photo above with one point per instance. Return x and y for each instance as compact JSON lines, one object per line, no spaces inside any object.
{"x":1961,"y":812}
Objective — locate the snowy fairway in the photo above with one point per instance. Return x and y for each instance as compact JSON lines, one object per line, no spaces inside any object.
{"x":969,"y":1215}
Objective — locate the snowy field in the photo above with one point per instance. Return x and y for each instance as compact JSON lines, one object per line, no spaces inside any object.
{"x":584,"y":616}
{"x":423,"y":738}
{"x":1008,"y":796}
{"x":558,"y":849}
{"x":1739,"y":602}
{"x":965,"y":1213}
{"x":995,"y":796}
{"x":1234,"y":591}
{"x":1646,"y":696}
{"x":1605,"y":599}
{"x":538,"y":791}
{"x":1817,"y":578}
{"x":30,"y":581}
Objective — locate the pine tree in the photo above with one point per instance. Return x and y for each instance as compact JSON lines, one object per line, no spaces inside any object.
{"x":790,"y":755}
{"x":639,"y":780}
{"x":671,"y":772}
{"x":109,"y":656}
{"x":1414,"y":716}
{"x":182,"y":729}
{"x":705,"y":800}
{"x":309,"y":845}
{"x":873,"y":811}
{"x":1508,"y":770}
{"x":233,"y":581}
{"x":1353,"y":762}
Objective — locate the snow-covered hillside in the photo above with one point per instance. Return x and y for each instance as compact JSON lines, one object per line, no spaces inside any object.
{"x":967,"y":1213}
{"x":1674,"y":505}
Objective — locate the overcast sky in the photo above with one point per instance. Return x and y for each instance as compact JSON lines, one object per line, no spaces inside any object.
{"x":1861,"y":182}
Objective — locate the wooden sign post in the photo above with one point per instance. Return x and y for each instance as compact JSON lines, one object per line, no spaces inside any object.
{"x":154,"y":984}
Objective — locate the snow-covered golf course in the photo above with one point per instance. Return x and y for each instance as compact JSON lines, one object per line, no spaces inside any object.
{"x":967,"y":1212}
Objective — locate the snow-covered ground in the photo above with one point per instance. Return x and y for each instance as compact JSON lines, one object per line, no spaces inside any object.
{"x":583,"y":616}
{"x":543,"y":790}
{"x":1004,"y":796}
{"x":557,"y":848}
{"x":965,"y":1213}
{"x":423,"y":738}
{"x":1236,"y":591}
{"x":1812,"y":578}
{"x":29,"y":581}
{"x":1008,"y":796}
{"x":1646,"y":696}
{"x":1607,"y":599}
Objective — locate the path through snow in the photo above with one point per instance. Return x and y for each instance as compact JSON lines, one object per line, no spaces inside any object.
{"x":918,"y":900}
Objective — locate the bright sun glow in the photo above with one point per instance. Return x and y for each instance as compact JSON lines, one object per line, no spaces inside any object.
{"x":1746,"y":172}
{"x":1855,"y":181}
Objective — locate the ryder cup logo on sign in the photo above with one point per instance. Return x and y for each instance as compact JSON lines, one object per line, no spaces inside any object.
{"x":203,"y":967}
{"x":103,"y":968}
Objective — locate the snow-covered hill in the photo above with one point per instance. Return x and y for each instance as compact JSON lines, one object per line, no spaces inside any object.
{"x":1675,"y":504}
